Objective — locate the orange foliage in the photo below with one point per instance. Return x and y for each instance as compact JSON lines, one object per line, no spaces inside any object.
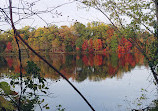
{"x":9,"y":62}
{"x":77,"y":57}
{"x":124,"y":46}
{"x":98,"y":60}
{"x":91,"y":59}
{"x":98,"y":44}
{"x":110,"y":32}
{"x":17,"y":69}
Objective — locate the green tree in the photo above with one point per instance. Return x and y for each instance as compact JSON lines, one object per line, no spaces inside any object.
{"x":80,"y":29}
{"x":114,"y":43}
{"x":79,"y":43}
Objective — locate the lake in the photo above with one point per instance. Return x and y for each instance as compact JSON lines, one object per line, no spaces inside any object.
{"x":110,"y":82}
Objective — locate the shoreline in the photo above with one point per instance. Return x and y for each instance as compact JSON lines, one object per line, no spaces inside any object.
{"x":71,"y":53}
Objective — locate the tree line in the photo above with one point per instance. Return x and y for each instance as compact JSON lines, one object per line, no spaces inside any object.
{"x":93,"y":37}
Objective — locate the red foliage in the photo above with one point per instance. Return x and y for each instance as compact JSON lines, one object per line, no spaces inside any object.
{"x":126,"y":59}
{"x":91,"y":59}
{"x":104,"y":50}
{"x":124,"y":46}
{"x":119,"y":55}
{"x":130,"y":59}
{"x":9,"y":62}
{"x":90,"y":45}
{"x":9,"y":46}
{"x":85,"y":60}
{"x":77,"y":48}
{"x":85,"y":45}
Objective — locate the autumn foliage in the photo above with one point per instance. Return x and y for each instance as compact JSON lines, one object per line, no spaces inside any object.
{"x":9,"y":46}
{"x":124,"y":46}
{"x":95,"y":37}
{"x":110,"y":64}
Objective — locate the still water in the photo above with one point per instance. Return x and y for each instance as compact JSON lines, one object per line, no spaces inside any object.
{"x":110,"y":82}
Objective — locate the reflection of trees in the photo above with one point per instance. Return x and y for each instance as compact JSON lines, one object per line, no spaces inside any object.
{"x":93,"y":66}
{"x":106,"y":66}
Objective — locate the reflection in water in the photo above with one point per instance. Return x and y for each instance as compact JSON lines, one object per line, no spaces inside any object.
{"x":80,"y":67}
{"x":97,"y":76}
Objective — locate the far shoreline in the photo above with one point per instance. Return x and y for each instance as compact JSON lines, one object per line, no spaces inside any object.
{"x":70,"y":53}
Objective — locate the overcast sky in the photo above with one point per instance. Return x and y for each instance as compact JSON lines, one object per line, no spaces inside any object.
{"x":68,"y":13}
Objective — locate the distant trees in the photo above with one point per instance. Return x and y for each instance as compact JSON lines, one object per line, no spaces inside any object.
{"x":95,"y":37}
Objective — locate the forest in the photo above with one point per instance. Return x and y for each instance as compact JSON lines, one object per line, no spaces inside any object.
{"x":93,"y":37}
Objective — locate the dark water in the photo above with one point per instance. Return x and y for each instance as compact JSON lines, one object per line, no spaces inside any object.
{"x":110,"y":82}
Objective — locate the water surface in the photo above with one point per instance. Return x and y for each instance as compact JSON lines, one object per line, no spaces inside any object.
{"x":110,"y":82}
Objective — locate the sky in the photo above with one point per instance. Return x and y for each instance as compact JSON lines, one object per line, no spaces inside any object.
{"x":64,"y":15}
